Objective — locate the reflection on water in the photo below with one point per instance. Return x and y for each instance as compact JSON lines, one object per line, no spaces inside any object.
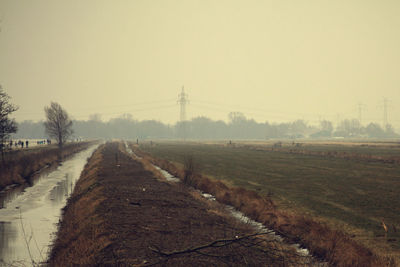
{"x":7,"y":232}
{"x":28,"y":219}
{"x":61,"y":190}
{"x":8,"y":195}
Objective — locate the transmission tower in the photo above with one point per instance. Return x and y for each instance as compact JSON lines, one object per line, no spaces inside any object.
{"x":183,"y":100}
{"x":360,"y":107}
{"x":385,"y":116}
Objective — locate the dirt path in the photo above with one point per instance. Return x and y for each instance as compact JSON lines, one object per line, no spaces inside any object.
{"x":120,"y":214}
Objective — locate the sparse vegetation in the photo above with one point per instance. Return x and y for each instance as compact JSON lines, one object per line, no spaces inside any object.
{"x":191,"y":170}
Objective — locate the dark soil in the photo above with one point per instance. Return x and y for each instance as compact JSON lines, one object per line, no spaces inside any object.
{"x":141,"y":219}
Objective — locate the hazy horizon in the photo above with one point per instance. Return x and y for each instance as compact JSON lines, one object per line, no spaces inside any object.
{"x":273,"y":61}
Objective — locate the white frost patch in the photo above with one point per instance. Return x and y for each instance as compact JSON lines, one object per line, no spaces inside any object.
{"x":207,"y":196}
{"x":301,"y":251}
{"x":167,"y":175}
{"x":257,"y":225}
{"x":129,"y":150}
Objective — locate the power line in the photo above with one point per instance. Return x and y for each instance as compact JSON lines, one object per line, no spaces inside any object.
{"x":208,"y":106}
{"x":276,"y":116}
{"x":84,"y":115}
{"x":135,"y":110}
{"x":102,"y":107}
{"x":263,"y":110}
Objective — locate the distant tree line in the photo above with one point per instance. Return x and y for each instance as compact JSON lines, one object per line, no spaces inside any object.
{"x":238,"y":127}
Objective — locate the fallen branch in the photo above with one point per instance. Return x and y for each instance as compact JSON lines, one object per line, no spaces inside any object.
{"x":214,"y":244}
{"x":246,"y":241}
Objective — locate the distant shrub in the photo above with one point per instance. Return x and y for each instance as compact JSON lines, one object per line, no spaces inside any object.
{"x":191,"y":169}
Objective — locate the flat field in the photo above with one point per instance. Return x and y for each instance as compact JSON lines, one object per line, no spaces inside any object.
{"x":352,"y":191}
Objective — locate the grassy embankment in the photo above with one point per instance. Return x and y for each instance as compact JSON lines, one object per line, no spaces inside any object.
{"x":350,"y":195}
{"x":80,"y":232}
{"x":21,"y":165}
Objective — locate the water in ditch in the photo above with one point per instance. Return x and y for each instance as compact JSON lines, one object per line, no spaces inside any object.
{"x":29,"y":217}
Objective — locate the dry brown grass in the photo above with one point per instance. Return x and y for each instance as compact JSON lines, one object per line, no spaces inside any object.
{"x":323,"y":242}
{"x":81,"y":232}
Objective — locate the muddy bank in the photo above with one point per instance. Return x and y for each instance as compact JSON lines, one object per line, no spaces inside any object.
{"x":20,"y":166}
{"x":121,"y":214}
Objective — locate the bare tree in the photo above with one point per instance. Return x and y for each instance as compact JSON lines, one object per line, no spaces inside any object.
{"x":7,"y":125}
{"x":58,"y":124}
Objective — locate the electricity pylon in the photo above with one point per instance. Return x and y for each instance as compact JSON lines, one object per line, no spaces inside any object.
{"x":360,"y":107}
{"x":385,"y":116}
{"x":183,"y":100}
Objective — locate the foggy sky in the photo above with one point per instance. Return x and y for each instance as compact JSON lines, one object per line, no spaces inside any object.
{"x":271,"y":60}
